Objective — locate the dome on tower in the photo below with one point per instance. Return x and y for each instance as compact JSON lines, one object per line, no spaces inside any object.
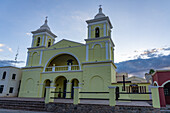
{"x":100,"y":14}
{"x":45,"y":26}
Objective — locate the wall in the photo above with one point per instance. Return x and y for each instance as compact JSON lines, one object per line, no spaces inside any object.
{"x":9,"y":82}
{"x":89,"y":108}
{"x":133,"y":96}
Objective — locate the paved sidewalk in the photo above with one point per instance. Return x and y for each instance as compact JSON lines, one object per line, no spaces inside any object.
{"x":19,"y":111}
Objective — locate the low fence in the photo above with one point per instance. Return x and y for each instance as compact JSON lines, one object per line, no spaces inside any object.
{"x":112,"y":95}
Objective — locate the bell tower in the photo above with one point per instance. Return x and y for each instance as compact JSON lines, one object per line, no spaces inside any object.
{"x":100,"y":26}
{"x":43,"y":37}
{"x":99,"y":45}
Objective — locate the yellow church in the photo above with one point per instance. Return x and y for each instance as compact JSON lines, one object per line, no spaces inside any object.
{"x":66,"y":64}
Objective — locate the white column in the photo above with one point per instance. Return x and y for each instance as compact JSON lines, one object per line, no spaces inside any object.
{"x":40,"y":57}
{"x":32,"y":41}
{"x":110,"y":51}
{"x":104,"y":29}
{"x":106,"y":50}
{"x":87,"y":52}
{"x":46,"y":41}
{"x":42,"y":41}
{"x":27,"y":58}
{"x":113,"y":55}
{"x":89,"y":31}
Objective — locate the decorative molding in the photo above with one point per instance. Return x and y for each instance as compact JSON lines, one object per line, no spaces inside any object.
{"x":32,"y":67}
{"x":50,"y":87}
{"x":42,"y":41}
{"x":97,"y":66}
{"x":41,"y":84}
{"x":46,"y":41}
{"x":40,"y":57}
{"x":89,"y":28}
{"x":35,"y":52}
{"x":44,"y":33}
{"x":110,"y":87}
{"x":62,"y":71}
{"x":155,"y":82}
{"x":77,"y":87}
{"x":165,"y":83}
{"x":104,"y":29}
{"x":32,"y":41}
{"x":106,"y":50}
{"x":110,"y":51}
{"x":87,"y":52}
{"x":96,"y":44}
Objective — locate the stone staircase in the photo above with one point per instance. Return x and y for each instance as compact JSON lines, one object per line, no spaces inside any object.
{"x":22,"y":105}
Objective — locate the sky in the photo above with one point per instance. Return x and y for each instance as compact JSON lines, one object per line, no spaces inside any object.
{"x":140,"y":29}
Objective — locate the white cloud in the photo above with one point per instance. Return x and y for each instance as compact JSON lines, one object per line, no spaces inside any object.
{"x":1,"y":45}
{"x":10,"y":49}
{"x":29,"y":34}
{"x":1,"y":50}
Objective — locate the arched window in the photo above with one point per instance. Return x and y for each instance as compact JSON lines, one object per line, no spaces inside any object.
{"x":97,"y":32}
{"x":49,"y":43}
{"x":38,"y":41}
{"x":4,"y":75}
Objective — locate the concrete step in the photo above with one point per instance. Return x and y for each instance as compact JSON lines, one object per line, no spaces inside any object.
{"x":23,"y":105}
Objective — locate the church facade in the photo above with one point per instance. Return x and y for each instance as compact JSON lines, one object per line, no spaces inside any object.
{"x":66,"y":64}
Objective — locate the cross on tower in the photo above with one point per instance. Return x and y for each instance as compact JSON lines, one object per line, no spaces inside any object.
{"x":100,"y":6}
{"x":46,"y":17}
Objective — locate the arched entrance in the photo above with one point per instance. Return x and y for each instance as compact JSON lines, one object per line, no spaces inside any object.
{"x":61,"y":83}
{"x":167,"y":92}
{"x":75,"y":83}
{"x":46,"y":84}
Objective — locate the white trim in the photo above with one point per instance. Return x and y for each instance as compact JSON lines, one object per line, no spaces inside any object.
{"x":96,"y":27}
{"x":50,"y":87}
{"x":97,"y":66}
{"x":68,"y":83}
{"x":41,"y":84}
{"x":110,"y":51}
{"x":80,"y":83}
{"x":155,"y":82}
{"x":87,"y":52}
{"x":35,"y":52}
{"x":43,"y":33}
{"x":89,"y":28}
{"x":110,"y":87}
{"x":27,"y":58}
{"x":40,"y":57}
{"x":59,"y":54}
{"x":77,"y":87}
{"x":99,"y":22}
{"x":96,"y":44}
{"x":32,"y":41}
{"x":106,"y":50}
{"x":62,"y":71}
{"x":154,"y":87}
{"x":165,"y":83}
{"x":104,"y":29}
{"x":42,"y":41}
{"x":113,"y":54}
{"x":52,"y":84}
{"x":46,"y":41}
{"x":33,"y":70}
